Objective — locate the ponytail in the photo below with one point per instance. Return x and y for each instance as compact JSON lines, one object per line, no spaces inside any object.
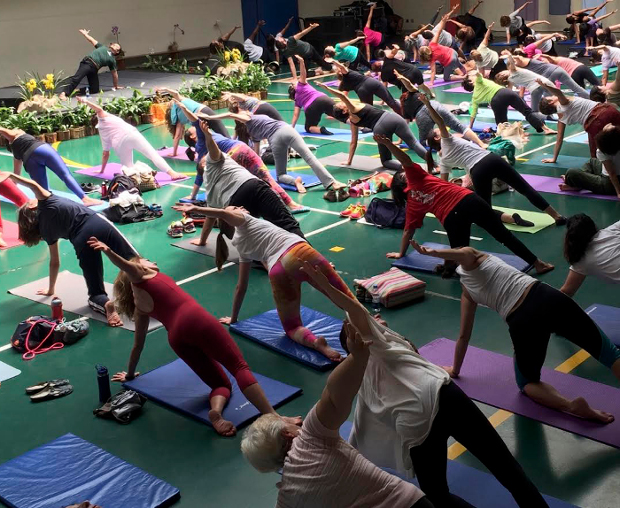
{"x":123,"y":294}
{"x":221,"y":247}
{"x":241,"y":131}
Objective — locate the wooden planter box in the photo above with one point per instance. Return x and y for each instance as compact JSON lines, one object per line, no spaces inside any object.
{"x":147,"y":118}
{"x":50,"y":137}
{"x":77,"y":132}
{"x":263,"y":94}
{"x":131,"y":120}
{"x":63,"y":135}
{"x":40,"y":137}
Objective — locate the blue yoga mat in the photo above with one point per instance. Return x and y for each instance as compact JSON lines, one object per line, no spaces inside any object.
{"x":582,"y":139}
{"x":422,"y":263}
{"x":70,"y":470}
{"x":8,"y":372}
{"x":607,"y":319}
{"x":62,"y":194}
{"x":199,"y":197}
{"x":479,"y":126}
{"x":176,"y":386}
{"x":308,"y":179}
{"x":266,"y":329}
{"x":339,"y":134}
{"x":564,"y":161}
{"x":488,"y":113}
{"x":503,"y":43}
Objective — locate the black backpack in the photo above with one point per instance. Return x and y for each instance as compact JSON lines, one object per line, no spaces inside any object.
{"x":385,"y":213}
{"x":119,"y":184}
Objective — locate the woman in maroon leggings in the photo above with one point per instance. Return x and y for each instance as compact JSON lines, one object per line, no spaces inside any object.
{"x":196,"y":336}
{"x":10,"y":191}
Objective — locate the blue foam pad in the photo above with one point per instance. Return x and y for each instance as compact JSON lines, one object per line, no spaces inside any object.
{"x":178,"y":387}
{"x":488,"y":113}
{"x":309,"y":180}
{"x":476,"y":487}
{"x":199,"y":197}
{"x":266,"y":329}
{"x":70,"y":470}
{"x":569,"y":42}
{"x":504,"y":43}
{"x":479,"y":127}
{"x":62,"y":194}
{"x":338,"y":134}
{"x":607,"y":319}
{"x":8,"y":372}
{"x":564,"y":161}
{"x":582,"y":138}
{"x":421,"y":263}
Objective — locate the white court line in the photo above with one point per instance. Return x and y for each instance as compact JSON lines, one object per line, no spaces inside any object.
{"x":324,"y":211}
{"x":549,"y":144}
{"x":439,"y":295}
{"x":446,"y":234}
{"x":5,"y":347}
{"x":592,"y":310}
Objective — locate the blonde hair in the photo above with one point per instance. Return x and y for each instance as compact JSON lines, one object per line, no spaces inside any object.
{"x":426,"y":54}
{"x":475,"y":55}
{"x":124,"y":300}
{"x":264,"y":445}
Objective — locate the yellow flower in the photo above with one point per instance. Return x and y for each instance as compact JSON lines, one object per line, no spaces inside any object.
{"x":227,"y":56}
{"x":49,"y":85}
{"x":50,"y":77}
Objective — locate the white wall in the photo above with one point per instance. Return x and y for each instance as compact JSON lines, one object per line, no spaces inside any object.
{"x":42,"y":35}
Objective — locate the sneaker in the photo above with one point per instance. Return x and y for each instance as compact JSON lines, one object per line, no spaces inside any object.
{"x":156,"y":209}
{"x":175,"y":230}
{"x":358,"y":213}
{"x":349,"y":210}
{"x":188,"y":225}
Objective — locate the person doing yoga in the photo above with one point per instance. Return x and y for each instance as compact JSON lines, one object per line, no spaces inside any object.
{"x":124,"y":138}
{"x":513,"y":21}
{"x":446,"y":56}
{"x":373,"y":40}
{"x":295,"y":46}
{"x":388,"y":67}
{"x":483,"y":167}
{"x":101,"y":56}
{"x":52,"y":218}
{"x":282,"y":253}
{"x":143,"y":292}
{"x":365,"y":87}
{"x":579,"y":72}
{"x":348,"y":52}
{"x":10,"y":191}
{"x":609,"y":57}
{"x":414,"y":109}
{"x":533,"y":311}
{"x":381,"y":122}
{"x":487,"y":59}
{"x":251,"y":104}
{"x":455,"y":207}
{"x":176,"y":120}
{"x":281,"y":137}
{"x":315,"y":104}
{"x":590,"y":251}
{"x":407,"y":409}
{"x":36,"y":156}
{"x":471,"y":29}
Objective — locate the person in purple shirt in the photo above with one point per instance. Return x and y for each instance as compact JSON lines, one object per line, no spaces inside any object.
{"x":314,"y":103}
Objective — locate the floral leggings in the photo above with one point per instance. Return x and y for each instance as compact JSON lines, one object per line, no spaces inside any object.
{"x":286,"y":278}
{"x":244,"y":156}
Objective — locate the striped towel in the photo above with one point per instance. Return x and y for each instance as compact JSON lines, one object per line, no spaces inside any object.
{"x":395,"y":287}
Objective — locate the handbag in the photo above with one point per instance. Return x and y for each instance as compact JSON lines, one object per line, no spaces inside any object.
{"x":122,"y":407}
{"x":385,"y":213}
{"x":35,"y":336}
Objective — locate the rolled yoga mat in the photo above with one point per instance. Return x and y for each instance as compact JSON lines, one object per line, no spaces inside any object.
{"x":71,"y":289}
{"x":489,"y":378}
{"x":113,"y":168}
{"x":607,"y":318}
{"x":551,"y":184}
{"x":10,"y":234}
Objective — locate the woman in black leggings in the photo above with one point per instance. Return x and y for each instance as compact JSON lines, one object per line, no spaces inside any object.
{"x":365,"y":87}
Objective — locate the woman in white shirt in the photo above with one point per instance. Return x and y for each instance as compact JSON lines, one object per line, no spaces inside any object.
{"x":609,"y":57}
{"x":533,"y":311}
{"x":590,"y":251}
{"x":407,"y":409}
{"x":282,"y":253}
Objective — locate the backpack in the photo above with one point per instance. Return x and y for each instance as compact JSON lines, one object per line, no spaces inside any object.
{"x":40,"y":334}
{"x":119,"y":184}
{"x":385,"y":213}
{"x":122,"y":407}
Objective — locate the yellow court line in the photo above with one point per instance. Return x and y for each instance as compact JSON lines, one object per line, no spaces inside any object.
{"x":501,"y":415}
{"x":69,"y":161}
{"x":298,"y":167}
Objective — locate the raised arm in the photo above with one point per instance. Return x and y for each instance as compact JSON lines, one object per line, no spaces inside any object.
{"x":86,"y":34}
{"x":601,"y":18}
{"x":227,"y":35}
{"x":342,"y":68}
{"x":342,"y":96}
{"x":554,"y":91}
{"x":435,"y":116}
{"x":415,"y":34}
{"x":306,"y":30}
{"x":596,"y":10}
{"x":303,"y":74}
{"x":254,"y":33}
{"x":135,"y":271}
{"x":95,"y":107}
{"x":487,"y":35}
{"x":174,"y":93}
{"x":405,"y":81}
{"x":517,"y":11}
{"x":544,"y":39}
{"x":537,"y":22}
{"x":473,"y":9}
{"x":190,"y":116}
{"x":286,"y":27}
{"x":440,"y":27}
{"x":351,"y":42}
{"x":39,"y":192}
{"x":215,"y":154}
{"x":512,"y":66}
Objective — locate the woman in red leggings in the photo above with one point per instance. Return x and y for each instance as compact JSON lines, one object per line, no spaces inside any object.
{"x":196,"y":336}
{"x":10,"y":191}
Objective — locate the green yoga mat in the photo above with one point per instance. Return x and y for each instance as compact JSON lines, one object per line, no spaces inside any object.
{"x":564,"y":161}
{"x":540,"y":220}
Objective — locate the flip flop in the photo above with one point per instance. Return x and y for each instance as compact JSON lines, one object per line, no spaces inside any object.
{"x":52,"y":393}
{"x":46,"y":384}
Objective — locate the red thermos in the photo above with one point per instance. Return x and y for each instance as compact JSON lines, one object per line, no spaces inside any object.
{"x":57,"y":309}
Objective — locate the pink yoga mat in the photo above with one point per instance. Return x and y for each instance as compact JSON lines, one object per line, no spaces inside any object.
{"x":113,"y":169}
{"x":10,"y":234}
{"x":489,"y":378}
{"x":551,"y":184}
{"x":166,"y":153}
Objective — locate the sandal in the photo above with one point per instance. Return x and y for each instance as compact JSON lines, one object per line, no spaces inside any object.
{"x":52,"y":393}
{"x":46,"y":384}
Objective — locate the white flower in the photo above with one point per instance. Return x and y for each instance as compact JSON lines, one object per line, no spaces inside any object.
{"x":142,"y":84}
{"x":199,"y":62}
{"x":169,"y":58}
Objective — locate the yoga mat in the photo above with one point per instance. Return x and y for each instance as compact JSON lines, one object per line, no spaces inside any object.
{"x":70,"y":470}
{"x":209,"y":248}
{"x":178,"y":387}
{"x":8,"y":372}
{"x":513,"y":115}
{"x":166,"y":153}
{"x":67,"y":195}
{"x":441,"y":82}
{"x":71,"y":289}
{"x":338,"y":134}
{"x":487,"y":491}
{"x":10,"y":234}
{"x":564,"y":161}
{"x":199,"y":197}
{"x":582,"y":139}
{"x":503,"y":43}
{"x":457,"y":89}
{"x":416,"y":261}
{"x":333,"y":83}
{"x":540,"y":220}
{"x":489,"y":378}
{"x":113,"y":168}
{"x":550,"y":185}
{"x":567,"y":42}
{"x":360,"y":162}
{"x":266,"y":329}
{"x":479,"y":126}
{"x":308,"y":179}
{"x":607,"y":319}
{"x":309,"y":78}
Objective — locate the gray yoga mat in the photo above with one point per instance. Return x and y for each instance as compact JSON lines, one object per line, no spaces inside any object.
{"x":209,"y":249}
{"x":360,"y":162}
{"x":71,"y":289}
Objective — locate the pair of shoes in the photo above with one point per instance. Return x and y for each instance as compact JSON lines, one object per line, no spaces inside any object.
{"x":89,"y":188}
{"x":188,"y":225}
{"x":175,"y":229}
{"x":336,"y":196}
{"x":48,"y":390}
{"x":354,"y":212}
{"x":157,"y":210}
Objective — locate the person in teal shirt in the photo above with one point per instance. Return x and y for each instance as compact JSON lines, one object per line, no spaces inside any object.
{"x":348,"y":52}
{"x":101,"y":56}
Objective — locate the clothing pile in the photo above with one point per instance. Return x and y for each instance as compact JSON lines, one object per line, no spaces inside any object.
{"x":394,"y":287}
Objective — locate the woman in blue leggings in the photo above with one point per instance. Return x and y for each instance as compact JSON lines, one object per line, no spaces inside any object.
{"x":36,"y":156}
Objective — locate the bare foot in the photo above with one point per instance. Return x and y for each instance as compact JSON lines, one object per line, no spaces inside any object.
{"x":300,"y":186}
{"x":564,"y":187}
{"x":338,"y":185}
{"x":114,"y":319}
{"x":197,"y":241}
{"x":295,"y":420}
{"x":321,"y":346}
{"x":90,"y":201}
{"x":548,"y":132}
{"x":542,"y":267}
{"x":176,"y":176}
{"x":294,"y":206}
{"x":3,"y":243}
{"x":580,"y":407}
{"x":221,"y":426}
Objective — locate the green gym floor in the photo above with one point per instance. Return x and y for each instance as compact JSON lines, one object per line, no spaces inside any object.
{"x":210,"y":470}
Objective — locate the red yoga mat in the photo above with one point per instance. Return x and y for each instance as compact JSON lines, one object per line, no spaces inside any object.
{"x":10,"y":234}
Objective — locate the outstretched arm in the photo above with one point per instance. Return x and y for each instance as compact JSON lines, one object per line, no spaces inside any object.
{"x":572,"y":283}
{"x":306,"y":30}
{"x":440,"y":27}
{"x":190,"y":116}
{"x":419,"y":31}
{"x":596,"y":10}
{"x":342,"y":96}
{"x":512,"y":66}
{"x":86,"y":34}
{"x":468,"y":316}
{"x":341,"y":68}
{"x":544,"y":39}
{"x":435,"y":116}
{"x":558,"y":144}
{"x":214,"y":151}
{"x":227,"y":35}
{"x":95,"y":107}
{"x":473,"y":9}
{"x":286,"y":27}
{"x":554,"y":91}
{"x":465,"y":256}
{"x":39,"y":192}
{"x":405,"y":81}
{"x":517,"y":11}
{"x":242,"y":117}
{"x":351,"y":42}
{"x":233,"y":217}
{"x":487,"y":35}
{"x":601,"y":18}
{"x":254,"y":33}
{"x":303,"y":74}
{"x":135,"y":271}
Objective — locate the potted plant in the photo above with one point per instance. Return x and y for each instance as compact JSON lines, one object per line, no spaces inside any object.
{"x":63,"y":134}
{"x":48,"y":125}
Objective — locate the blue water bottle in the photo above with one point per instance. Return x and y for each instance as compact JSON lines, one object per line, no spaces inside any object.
{"x":103,"y":380}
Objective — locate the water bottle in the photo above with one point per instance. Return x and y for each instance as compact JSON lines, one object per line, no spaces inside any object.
{"x":103,"y":380}
{"x":88,"y":92}
{"x":57,"y":309}
{"x":376,"y":299}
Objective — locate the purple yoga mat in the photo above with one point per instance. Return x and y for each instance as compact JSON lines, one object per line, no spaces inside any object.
{"x":551,"y":184}
{"x":114,"y":168}
{"x":458,"y":89}
{"x":166,"y":153}
{"x":440,"y":82}
{"x":335,"y":82}
{"x":489,"y":378}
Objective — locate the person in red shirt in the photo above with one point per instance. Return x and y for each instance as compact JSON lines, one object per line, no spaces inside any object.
{"x":455,"y":207}
{"x":447,"y":57}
